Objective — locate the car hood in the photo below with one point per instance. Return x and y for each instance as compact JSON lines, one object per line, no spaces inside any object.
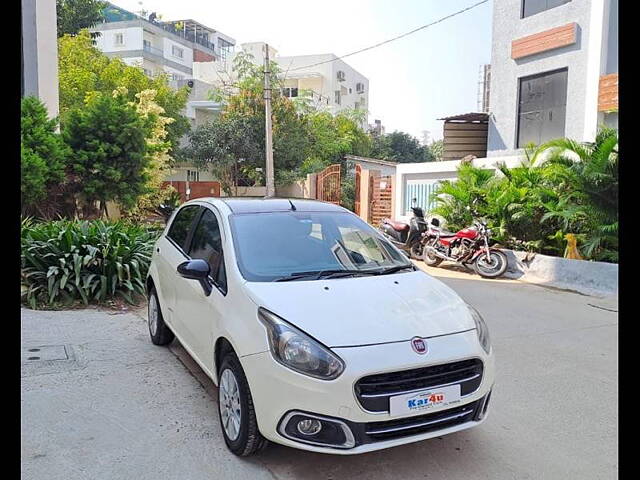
{"x":366,"y":310}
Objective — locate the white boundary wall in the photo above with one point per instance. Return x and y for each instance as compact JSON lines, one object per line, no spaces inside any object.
{"x":432,"y":173}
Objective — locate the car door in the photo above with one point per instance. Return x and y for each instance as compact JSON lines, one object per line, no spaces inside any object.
{"x":201,"y":314}
{"x":171,"y":252}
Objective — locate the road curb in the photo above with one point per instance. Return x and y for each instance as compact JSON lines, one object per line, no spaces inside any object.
{"x":587,"y":277}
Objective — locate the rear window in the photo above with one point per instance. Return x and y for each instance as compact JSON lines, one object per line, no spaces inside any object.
{"x":181,"y":225}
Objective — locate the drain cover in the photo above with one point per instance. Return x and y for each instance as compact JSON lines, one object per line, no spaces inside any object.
{"x":44,"y":353}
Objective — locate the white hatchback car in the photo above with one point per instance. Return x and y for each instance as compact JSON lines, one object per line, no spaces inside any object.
{"x":319,"y":333}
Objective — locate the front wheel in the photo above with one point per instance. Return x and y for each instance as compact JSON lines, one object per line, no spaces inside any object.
{"x":493,"y":267}
{"x":235,"y":406}
{"x":429,"y":257}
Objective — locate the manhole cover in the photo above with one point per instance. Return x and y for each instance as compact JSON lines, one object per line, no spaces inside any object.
{"x":44,"y":353}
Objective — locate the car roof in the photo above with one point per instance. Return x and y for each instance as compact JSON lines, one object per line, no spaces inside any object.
{"x":265,"y":205}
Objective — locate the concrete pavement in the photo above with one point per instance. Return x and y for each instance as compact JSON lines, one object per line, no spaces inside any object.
{"x":119,"y":407}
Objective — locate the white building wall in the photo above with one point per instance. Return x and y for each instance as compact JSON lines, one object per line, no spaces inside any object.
{"x":187,"y":53}
{"x":40,"y":52}
{"x":132,"y":40}
{"x":583,"y":74}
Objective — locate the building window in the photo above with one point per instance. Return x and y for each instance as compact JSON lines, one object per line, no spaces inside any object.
{"x":148,"y":72}
{"x":542,"y":105}
{"x":177,"y":51}
{"x":118,"y":39}
{"x":193,"y":176}
{"x":341,"y":76}
{"x":359,"y":87}
{"x":290,"y":92}
{"x":531,"y":7}
{"x":337,"y":97}
{"x":175,"y":77}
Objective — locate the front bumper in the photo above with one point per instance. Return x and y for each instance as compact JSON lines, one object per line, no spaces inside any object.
{"x":278,"y":391}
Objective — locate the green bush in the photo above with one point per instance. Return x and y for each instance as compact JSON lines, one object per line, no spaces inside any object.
{"x":67,"y":261}
{"x":562,"y":187}
{"x":43,"y":154}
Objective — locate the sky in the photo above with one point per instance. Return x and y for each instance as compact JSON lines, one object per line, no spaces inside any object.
{"x":412,"y":81}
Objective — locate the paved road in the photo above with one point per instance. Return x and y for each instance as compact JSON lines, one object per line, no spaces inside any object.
{"x":121,"y":408}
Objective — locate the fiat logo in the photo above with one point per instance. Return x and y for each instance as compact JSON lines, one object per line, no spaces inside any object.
{"x":419,"y":345}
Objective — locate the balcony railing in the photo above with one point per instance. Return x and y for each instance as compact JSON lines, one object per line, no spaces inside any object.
{"x":153,"y":50}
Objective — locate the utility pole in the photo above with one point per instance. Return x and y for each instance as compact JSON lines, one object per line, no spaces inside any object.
{"x":268,"y":133}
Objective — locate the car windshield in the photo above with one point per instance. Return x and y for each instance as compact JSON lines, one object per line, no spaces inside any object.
{"x":294,"y":245}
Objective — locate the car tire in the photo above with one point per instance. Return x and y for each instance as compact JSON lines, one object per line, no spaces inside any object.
{"x":244,"y":438}
{"x":158,"y":331}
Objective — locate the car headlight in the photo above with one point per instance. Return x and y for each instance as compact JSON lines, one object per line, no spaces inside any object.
{"x":481,"y":329}
{"x":298,"y":351}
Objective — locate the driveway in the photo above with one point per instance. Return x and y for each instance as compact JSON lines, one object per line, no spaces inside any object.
{"x":102,"y":402}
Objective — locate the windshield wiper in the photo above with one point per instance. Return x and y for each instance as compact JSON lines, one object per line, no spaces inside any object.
{"x":318,"y":274}
{"x":389,"y":270}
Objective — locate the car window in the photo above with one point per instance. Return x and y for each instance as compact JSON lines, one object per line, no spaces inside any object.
{"x":207,"y":245}
{"x":181,"y":225}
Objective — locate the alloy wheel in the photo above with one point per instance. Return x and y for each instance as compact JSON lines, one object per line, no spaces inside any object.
{"x":153,"y":314}
{"x":229,"y":404}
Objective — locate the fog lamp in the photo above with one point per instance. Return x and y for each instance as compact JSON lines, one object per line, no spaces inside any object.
{"x":309,"y":426}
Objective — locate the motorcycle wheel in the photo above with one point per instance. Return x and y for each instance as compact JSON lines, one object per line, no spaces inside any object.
{"x":492,"y":268}
{"x":416,"y":251}
{"x":429,"y":258}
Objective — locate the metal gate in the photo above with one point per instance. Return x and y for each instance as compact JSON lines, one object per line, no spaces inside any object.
{"x":422,"y":192}
{"x":356,"y":203}
{"x":328,"y":184}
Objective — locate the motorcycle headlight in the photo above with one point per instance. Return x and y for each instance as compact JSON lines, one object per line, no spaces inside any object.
{"x":298,"y":351}
{"x":481,"y":329}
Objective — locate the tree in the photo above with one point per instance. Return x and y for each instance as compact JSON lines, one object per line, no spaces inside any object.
{"x":83,"y":69}
{"x":74,"y":15}
{"x":43,"y":155}
{"x":437,"y":149}
{"x":217,"y":145}
{"x":110,"y":153}
{"x":400,"y":147}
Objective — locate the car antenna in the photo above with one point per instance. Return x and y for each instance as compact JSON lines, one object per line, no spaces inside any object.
{"x":293,"y":207}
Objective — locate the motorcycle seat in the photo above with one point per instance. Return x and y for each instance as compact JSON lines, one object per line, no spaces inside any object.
{"x":397,"y":226}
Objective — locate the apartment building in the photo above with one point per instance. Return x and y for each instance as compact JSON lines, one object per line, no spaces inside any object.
{"x":331,"y":84}
{"x":169,"y":48}
{"x":160,"y":47}
{"x":554,"y":71}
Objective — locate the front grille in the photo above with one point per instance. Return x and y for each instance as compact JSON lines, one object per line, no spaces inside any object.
{"x":404,"y":427}
{"x":373,"y":391}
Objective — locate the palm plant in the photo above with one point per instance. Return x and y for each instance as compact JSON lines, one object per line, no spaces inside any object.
{"x":453,"y":197}
{"x":590,"y":199}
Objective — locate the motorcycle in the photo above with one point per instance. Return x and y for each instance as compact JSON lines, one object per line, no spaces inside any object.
{"x":468,"y":247}
{"x":407,"y":237}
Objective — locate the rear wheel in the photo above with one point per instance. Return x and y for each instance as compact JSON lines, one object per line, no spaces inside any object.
{"x":416,"y":251}
{"x":158,"y":330}
{"x":492,"y":267}
{"x":429,"y":257}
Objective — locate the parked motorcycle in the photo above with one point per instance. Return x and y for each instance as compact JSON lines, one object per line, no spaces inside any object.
{"x":407,"y":237}
{"x":468,"y":247}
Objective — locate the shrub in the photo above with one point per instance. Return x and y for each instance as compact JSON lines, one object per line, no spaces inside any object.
{"x":111,"y":155}
{"x":67,"y":261}
{"x":43,"y":154}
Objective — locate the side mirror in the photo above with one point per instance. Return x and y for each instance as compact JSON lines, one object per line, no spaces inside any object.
{"x":196,"y":269}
